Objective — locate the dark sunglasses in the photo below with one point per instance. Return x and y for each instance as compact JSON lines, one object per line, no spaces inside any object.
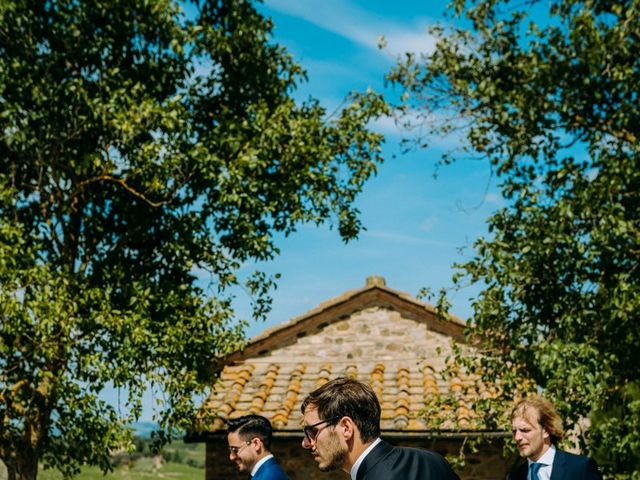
{"x":311,"y":431}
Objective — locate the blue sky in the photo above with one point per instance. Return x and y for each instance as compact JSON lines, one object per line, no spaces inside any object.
{"x":417,"y":226}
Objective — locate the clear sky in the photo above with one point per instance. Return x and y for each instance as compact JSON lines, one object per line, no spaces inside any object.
{"x":417,"y":226}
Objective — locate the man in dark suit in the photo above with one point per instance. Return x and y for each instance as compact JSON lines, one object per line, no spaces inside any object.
{"x":249,"y":440}
{"x":342,"y":431}
{"x":537,"y":428}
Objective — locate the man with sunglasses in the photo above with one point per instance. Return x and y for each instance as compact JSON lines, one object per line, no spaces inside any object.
{"x":342,"y":431}
{"x":249,"y":440}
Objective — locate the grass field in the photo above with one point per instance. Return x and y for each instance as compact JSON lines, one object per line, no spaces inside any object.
{"x":191,"y":467}
{"x":143,"y":468}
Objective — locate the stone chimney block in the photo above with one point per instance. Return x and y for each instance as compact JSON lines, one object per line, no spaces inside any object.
{"x":376,"y":281}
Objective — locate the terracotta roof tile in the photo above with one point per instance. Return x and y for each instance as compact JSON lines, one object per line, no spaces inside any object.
{"x":401,"y":411}
{"x":231,"y":385}
{"x":430,"y":383}
{"x":376,"y":380}
{"x":265,"y":388}
{"x":281,"y":417}
{"x":276,"y":392}
{"x":455,"y":385}
{"x":324,"y":375}
{"x":351,"y":371}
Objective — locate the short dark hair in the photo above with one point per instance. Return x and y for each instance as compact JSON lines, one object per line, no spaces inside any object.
{"x":347,"y":397}
{"x":544,"y":412}
{"x":252,"y":426}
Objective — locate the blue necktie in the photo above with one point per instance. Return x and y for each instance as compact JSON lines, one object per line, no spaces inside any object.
{"x":534,"y":468}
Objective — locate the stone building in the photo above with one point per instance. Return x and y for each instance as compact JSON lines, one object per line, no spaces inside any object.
{"x":387,"y":338}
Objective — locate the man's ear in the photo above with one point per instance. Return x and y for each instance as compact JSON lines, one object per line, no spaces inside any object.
{"x":256,"y":444}
{"x":348,"y":428}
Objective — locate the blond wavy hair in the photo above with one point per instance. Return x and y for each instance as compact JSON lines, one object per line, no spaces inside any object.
{"x":542,"y":410}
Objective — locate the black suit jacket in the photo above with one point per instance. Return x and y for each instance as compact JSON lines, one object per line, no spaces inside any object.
{"x":386,"y":462}
{"x":566,"y":466}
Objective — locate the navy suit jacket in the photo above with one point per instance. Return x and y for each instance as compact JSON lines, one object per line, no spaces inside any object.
{"x":566,"y":466}
{"x":270,"y":470}
{"x":386,"y":462}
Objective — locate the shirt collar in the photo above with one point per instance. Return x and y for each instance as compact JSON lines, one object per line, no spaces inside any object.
{"x":257,"y":466}
{"x":546,"y":458}
{"x":356,"y":466}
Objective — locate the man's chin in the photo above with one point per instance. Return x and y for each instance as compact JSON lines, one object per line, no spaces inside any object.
{"x":327,"y":468}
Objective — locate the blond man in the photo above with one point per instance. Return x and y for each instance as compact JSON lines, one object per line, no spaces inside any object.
{"x":537,"y":429}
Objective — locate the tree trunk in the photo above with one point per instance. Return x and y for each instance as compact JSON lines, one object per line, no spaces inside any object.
{"x":23,"y":468}
{"x":11,"y":470}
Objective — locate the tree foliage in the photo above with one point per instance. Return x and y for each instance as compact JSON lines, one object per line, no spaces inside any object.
{"x":144,"y":144}
{"x":550,"y":98}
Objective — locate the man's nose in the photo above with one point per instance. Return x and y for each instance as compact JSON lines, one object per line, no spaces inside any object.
{"x":306,"y":443}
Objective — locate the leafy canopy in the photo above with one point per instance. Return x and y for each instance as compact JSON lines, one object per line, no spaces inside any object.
{"x":551,"y":101}
{"x":144,"y":145}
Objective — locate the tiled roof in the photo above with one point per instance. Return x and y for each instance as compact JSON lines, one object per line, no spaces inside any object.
{"x":276,"y":392}
{"x":375,"y":334}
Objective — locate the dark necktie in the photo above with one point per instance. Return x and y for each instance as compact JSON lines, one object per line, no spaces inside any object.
{"x":534,"y":468}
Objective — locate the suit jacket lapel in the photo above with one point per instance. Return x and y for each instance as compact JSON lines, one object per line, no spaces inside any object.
{"x":559,"y":466}
{"x":520,"y":473}
{"x":380,"y":451}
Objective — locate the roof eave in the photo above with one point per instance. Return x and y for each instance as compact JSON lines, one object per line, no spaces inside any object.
{"x":221,"y":436}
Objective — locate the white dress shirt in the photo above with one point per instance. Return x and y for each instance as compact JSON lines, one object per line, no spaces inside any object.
{"x":259,"y":464}
{"x":547,"y":461}
{"x":356,"y":466}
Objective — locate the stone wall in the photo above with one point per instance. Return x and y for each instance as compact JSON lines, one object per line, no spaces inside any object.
{"x":486,"y":464}
{"x":371,"y":335}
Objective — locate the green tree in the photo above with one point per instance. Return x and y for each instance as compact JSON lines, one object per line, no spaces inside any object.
{"x":144,"y":143}
{"x":548,"y":93}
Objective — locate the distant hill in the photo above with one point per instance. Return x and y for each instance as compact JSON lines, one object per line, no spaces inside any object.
{"x":144,"y":429}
